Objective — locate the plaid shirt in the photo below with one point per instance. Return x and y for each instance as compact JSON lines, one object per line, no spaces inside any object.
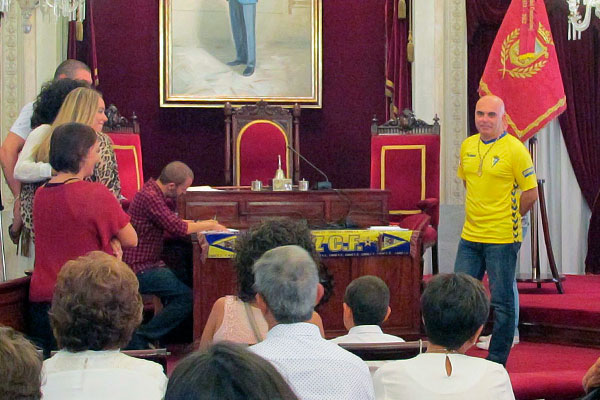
{"x":152,"y":214}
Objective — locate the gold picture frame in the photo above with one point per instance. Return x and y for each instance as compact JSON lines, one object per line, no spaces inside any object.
{"x":198,"y":45}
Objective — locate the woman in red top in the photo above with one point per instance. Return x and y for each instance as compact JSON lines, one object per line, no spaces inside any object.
{"x":72,"y":217}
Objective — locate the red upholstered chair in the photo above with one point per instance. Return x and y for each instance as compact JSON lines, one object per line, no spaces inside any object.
{"x":405,"y":159}
{"x":255,"y":136}
{"x":125,"y":136}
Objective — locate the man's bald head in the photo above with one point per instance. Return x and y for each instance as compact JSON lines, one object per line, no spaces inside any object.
{"x":490,"y":117}
{"x":73,"y":69}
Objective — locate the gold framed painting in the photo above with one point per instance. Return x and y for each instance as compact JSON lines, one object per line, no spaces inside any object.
{"x":240,"y":51}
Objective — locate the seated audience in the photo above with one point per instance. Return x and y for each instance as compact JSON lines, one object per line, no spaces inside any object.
{"x":33,"y":167}
{"x":12,"y":145}
{"x":236,"y":318}
{"x":153,"y":215}
{"x":287,"y":283}
{"x":72,"y":217}
{"x":20,"y":367}
{"x":454,"y":307}
{"x":227,"y":371}
{"x":366,"y":307}
{"x":95,"y":309}
{"x":591,"y":381}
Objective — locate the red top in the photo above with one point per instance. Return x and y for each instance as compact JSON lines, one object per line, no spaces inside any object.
{"x":152,"y":215}
{"x":70,"y":220}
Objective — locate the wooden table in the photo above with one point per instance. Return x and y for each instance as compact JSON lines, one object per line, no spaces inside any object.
{"x":239,"y":208}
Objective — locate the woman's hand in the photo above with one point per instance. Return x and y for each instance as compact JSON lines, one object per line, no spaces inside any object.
{"x":116,"y":248}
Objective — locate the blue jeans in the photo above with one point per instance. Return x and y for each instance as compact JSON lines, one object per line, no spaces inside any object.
{"x":175,"y":296}
{"x":499,"y":260}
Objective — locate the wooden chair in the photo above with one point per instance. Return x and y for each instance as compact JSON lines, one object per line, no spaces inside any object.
{"x":125,"y":135}
{"x":386,"y":351}
{"x":405,"y":159}
{"x":255,"y":135}
{"x":14,"y":301}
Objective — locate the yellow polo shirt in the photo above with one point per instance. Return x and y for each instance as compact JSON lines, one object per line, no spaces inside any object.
{"x":492,"y":202}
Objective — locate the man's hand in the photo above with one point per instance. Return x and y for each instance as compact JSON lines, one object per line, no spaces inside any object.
{"x":116,"y":248}
{"x":17,"y":223}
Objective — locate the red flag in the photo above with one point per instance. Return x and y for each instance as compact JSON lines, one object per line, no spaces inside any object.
{"x":522,"y":69}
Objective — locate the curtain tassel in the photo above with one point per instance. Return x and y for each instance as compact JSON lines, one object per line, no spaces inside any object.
{"x":79,"y":31}
{"x":410,"y":48}
{"x":401,"y":9}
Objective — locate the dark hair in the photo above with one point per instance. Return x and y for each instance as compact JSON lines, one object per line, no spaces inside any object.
{"x":175,"y":172}
{"x":96,"y":303}
{"x":267,"y":235}
{"x":69,"y":145}
{"x":50,"y":99}
{"x":227,"y":371}
{"x":369,"y":298}
{"x":454,"y":306}
{"x":69,"y":68}
{"x":20,"y":367}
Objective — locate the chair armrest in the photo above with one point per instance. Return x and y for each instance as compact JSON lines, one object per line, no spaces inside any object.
{"x":416,"y":222}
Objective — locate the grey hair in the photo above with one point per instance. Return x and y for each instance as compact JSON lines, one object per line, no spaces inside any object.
{"x":287,"y":279}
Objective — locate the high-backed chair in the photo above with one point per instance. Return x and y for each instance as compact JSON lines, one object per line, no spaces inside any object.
{"x":125,"y":135}
{"x":386,"y":351}
{"x":405,"y":159}
{"x":255,"y":135}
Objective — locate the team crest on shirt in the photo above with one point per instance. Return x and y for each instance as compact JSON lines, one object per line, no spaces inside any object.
{"x":495,"y":160}
{"x":529,"y":171}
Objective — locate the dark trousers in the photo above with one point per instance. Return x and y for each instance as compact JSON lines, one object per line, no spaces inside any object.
{"x":40,"y":332}
{"x":499,"y":260}
{"x":175,"y":296}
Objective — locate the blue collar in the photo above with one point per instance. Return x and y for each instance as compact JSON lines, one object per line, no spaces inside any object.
{"x":493,"y":140}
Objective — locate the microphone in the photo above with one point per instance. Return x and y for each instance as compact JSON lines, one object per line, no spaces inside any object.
{"x":320,"y":185}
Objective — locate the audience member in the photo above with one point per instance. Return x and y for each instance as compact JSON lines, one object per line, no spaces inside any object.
{"x":81,"y":105}
{"x":21,"y":128}
{"x":152,"y":215}
{"x":227,"y":371}
{"x":20,"y":367}
{"x":287,"y":283}
{"x":236,"y":318}
{"x":366,"y":307}
{"x":95,"y":309}
{"x":591,"y":380}
{"x":454,"y":307}
{"x":72,"y":217}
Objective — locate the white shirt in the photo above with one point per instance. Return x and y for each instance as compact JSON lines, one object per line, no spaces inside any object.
{"x":101,"y":375}
{"x":424,"y":377}
{"x":314,"y":367}
{"x":22,"y":125}
{"x":366,"y":334}
{"x":27,"y":169}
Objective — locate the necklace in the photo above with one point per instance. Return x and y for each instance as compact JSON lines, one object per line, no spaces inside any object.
{"x":480,"y":169}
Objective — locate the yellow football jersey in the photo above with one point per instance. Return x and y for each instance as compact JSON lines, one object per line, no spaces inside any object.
{"x":495,"y":173}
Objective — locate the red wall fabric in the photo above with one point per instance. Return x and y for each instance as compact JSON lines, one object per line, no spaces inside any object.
{"x":336,"y":138}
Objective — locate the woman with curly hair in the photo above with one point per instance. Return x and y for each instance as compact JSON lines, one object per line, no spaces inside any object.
{"x":20,"y":367}
{"x":83,"y":105}
{"x":95,"y":309}
{"x":235,"y":318}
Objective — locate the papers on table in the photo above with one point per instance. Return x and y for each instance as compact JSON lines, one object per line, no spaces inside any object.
{"x":202,"y":189}
{"x":386,"y":228}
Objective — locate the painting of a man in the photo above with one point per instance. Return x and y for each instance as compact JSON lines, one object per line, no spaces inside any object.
{"x":243,"y":15}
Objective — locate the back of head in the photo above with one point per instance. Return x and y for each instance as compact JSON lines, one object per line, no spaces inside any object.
{"x":369,"y":298}
{"x":267,"y":235}
{"x":96,"y":304}
{"x":226,"y":371}
{"x":286,"y":277}
{"x":175,"y":172}
{"x":69,"y":69}
{"x":50,"y":99}
{"x":20,"y":367}
{"x":69,"y":145}
{"x":80,"y":105}
{"x":454,"y":307}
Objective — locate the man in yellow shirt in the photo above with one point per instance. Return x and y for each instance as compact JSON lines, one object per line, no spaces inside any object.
{"x":499,"y":176}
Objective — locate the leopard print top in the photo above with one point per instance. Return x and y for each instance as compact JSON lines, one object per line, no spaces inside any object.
{"x":106,"y":172}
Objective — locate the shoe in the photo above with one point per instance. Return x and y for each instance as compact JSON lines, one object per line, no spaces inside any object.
{"x":485,"y":343}
{"x":248,"y":71}
{"x":235,"y":62}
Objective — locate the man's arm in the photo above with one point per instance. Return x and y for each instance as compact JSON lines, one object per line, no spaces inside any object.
{"x":9,"y":153}
{"x":207,"y":225}
{"x":528,"y":198}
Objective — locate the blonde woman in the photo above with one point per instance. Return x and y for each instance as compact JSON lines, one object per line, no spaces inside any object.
{"x":82,"y":105}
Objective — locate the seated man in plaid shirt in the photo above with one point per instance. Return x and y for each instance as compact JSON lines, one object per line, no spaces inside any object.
{"x":153,"y":215}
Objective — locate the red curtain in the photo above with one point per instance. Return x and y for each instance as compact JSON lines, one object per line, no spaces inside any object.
{"x":398,"y":85}
{"x":580,"y":69}
{"x":85,"y":50}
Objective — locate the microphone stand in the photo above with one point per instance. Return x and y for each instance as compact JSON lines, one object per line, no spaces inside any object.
{"x":326,"y":185}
